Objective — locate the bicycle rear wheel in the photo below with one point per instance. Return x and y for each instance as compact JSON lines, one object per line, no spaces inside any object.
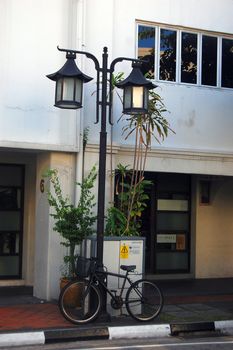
{"x":144,"y":300}
{"x":80,"y":302}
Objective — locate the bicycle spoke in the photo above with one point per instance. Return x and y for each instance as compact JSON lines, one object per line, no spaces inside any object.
{"x":144,"y":300}
{"x":80,"y":302}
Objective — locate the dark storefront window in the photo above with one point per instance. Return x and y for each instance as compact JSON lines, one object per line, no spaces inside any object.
{"x":11,"y":220}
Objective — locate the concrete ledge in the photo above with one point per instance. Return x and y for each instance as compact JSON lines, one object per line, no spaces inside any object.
{"x":225,"y":327}
{"x":17,"y":339}
{"x":160,"y":330}
{"x":192,"y":327}
{"x":69,"y":334}
{"x":143,"y":331}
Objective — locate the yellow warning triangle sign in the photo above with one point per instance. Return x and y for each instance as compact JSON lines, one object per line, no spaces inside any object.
{"x":124,"y":251}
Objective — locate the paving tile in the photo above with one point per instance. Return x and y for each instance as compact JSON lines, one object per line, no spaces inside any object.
{"x":197,"y":307}
{"x":171,"y":308}
{"x":47,"y":315}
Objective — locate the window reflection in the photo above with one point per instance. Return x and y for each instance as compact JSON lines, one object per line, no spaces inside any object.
{"x":146,"y":48}
{"x":209,"y":60}
{"x":189,"y":58}
{"x":9,"y":243}
{"x":167,"y":55}
{"x":9,"y":198}
{"x":227,"y":63}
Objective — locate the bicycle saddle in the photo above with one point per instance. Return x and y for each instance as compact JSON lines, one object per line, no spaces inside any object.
{"x":128,"y":267}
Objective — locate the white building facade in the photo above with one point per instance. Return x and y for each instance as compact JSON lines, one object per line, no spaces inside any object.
{"x":190,"y":51}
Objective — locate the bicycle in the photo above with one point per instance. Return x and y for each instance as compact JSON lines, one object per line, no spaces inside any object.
{"x":143,"y":301}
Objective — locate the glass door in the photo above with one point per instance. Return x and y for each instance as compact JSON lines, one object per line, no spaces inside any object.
{"x":172,"y":235}
{"x":166,"y":223}
{"x":11,"y":220}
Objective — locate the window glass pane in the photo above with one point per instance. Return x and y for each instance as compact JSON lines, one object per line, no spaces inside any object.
{"x":9,"y":243}
{"x":10,"y":198}
{"x":209,"y":61}
{"x":10,"y":220}
{"x":189,"y":58}
{"x":227,"y":63}
{"x":9,"y":266}
{"x":173,"y":182}
{"x":172,"y":221}
{"x":172,"y":204}
{"x":167,"y":55}
{"x":10,"y":175}
{"x":146,"y":48}
{"x":171,"y":261}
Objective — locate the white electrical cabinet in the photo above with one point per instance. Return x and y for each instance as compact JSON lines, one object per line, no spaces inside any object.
{"x":119,"y":251}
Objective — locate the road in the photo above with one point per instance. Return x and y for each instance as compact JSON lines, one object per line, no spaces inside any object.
{"x":174,"y":343}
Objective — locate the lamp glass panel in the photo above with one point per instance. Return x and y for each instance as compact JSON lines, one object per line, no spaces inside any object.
{"x":127,"y":97}
{"x":59,"y":90}
{"x":146,"y":98}
{"x":68,"y":89}
{"x":78,"y":90}
{"x":137,"y":97}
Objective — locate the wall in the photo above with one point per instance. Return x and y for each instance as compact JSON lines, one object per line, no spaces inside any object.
{"x":200,"y":116}
{"x":214,"y":232}
{"x":49,"y":252}
{"x":29,"y":34}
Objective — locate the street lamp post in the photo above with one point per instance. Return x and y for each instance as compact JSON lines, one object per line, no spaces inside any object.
{"x":69,"y":84}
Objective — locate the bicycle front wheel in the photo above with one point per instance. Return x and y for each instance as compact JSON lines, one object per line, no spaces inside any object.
{"x":80,"y":302}
{"x":144,"y":300}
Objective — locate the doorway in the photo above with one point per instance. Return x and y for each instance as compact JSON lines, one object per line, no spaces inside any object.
{"x":166,"y":223}
{"x":11,"y":220}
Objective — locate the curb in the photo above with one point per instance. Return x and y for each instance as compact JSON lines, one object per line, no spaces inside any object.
{"x":97,"y":333}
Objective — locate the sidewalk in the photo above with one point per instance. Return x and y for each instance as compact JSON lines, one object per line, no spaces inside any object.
{"x":189,"y":305}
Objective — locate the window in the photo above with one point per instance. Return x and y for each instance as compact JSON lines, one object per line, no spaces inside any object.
{"x":227,"y":63}
{"x":209,"y":61}
{"x":167,"y":55}
{"x":188,"y":57}
{"x":11,"y":220}
{"x":146,"y":48}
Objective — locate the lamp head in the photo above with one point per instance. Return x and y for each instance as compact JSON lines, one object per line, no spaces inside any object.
{"x":136,"y":91}
{"x":69,"y":84}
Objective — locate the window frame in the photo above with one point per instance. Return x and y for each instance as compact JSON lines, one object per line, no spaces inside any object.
{"x":179,"y":30}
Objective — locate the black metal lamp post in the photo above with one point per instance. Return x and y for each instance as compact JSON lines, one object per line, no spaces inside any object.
{"x":69,"y":83}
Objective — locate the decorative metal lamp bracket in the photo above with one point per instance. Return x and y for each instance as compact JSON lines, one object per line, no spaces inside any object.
{"x":105,"y":72}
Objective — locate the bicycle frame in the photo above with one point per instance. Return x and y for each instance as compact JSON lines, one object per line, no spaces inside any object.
{"x":96,"y":276}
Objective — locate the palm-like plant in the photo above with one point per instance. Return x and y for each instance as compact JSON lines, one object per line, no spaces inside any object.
{"x":132,"y":197}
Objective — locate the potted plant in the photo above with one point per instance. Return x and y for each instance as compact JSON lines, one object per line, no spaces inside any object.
{"x":73,"y":222}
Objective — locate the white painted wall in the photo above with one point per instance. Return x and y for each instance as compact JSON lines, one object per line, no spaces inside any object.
{"x":200,"y":116}
{"x":48,"y":250}
{"x":30,"y":31}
